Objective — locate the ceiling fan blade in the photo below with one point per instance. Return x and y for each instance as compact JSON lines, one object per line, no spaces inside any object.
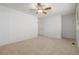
{"x":38,"y":4}
{"x":48,"y":8}
{"x":44,"y":12}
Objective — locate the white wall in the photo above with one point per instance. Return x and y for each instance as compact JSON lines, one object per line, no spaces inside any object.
{"x":77,"y":25}
{"x":40,"y":26}
{"x":51,"y":26}
{"x":16,"y":26}
{"x":68,"y":26}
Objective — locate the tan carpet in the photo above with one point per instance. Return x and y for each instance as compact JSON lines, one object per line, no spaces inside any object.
{"x":41,"y":46}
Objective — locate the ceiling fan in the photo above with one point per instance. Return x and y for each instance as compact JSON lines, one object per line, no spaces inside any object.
{"x":42,"y":8}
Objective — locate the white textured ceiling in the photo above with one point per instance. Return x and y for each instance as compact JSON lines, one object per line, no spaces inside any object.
{"x":64,"y":8}
{"x":60,"y":8}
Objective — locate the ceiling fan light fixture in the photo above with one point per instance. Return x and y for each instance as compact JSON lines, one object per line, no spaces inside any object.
{"x":42,"y":8}
{"x":40,"y":11}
